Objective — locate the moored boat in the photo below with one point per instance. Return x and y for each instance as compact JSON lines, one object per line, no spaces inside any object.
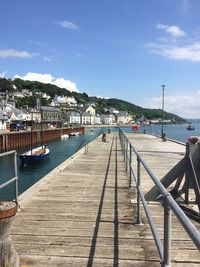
{"x":135,"y":127}
{"x":190,"y":127}
{"x":35,"y":155}
{"x":64,"y":136}
{"x":74,"y":133}
{"x":38,"y":153}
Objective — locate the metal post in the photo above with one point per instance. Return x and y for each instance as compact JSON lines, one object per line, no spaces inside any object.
{"x":163,"y":91}
{"x":138,"y":193}
{"x":130,"y":165}
{"x":124,"y":148}
{"x":167,"y":236}
{"x":123,"y":142}
{"x":126,"y":155}
{"x":16,"y":181}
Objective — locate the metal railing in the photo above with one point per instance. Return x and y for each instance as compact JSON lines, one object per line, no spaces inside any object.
{"x":15,"y":178}
{"x":164,"y":249}
{"x":169,"y":139}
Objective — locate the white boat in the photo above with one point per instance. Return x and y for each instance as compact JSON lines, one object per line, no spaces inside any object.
{"x":64,"y":136}
{"x":74,"y":133}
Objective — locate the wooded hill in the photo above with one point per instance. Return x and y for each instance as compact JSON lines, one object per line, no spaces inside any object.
{"x":101,"y":104}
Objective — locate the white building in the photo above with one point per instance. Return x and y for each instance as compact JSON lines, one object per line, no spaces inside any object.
{"x":87,"y":118}
{"x":88,"y":115}
{"x":3,"y":120}
{"x":73,"y":117}
{"x":113,"y":111}
{"x":15,"y":115}
{"x":97,"y":119}
{"x":59,"y":100}
{"x":108,"y":119}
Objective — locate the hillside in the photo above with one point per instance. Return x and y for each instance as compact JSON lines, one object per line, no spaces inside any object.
{"x":101,"y":104}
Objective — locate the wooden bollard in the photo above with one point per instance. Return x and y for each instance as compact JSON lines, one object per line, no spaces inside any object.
{"x":8,"y":254}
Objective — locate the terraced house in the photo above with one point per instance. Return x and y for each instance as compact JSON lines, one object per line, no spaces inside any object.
{"x":51,"y":116}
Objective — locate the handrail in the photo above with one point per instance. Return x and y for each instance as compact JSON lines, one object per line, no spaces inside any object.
{"x":15,"y":178}
{"x":169,"y":139}
{"x":169,"y":203}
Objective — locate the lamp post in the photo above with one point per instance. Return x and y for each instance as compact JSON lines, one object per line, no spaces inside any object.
{"x":163,"y":95}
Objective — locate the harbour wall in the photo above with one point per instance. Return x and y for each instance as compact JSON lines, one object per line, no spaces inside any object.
{"x":17,"y":140}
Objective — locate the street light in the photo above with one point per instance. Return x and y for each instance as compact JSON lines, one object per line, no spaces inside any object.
{"x":163,"y":95}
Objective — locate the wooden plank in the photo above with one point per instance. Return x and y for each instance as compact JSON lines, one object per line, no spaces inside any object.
{"x":83,"y":213}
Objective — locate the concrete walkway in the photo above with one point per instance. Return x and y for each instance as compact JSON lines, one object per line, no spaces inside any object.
{"x":82,"y":214}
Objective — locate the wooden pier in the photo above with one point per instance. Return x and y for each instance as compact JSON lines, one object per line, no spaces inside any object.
{"x":83,"y":212}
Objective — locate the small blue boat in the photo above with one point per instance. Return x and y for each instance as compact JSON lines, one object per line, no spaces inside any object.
{"x":34,"y":155}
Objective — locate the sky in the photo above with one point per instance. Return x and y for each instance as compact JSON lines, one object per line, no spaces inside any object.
{"x":125,"y":49}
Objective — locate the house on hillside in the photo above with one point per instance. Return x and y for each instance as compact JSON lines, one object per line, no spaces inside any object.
{"x":3,"y":120}
{"x":108,"y":119}
{"x":123,"y":117}
{"x":63,"y":101}
{"x":97,"y":119}
{"x":7,"y":106}
{"x":87,"y":118}
{"x":88,"y":114}
{"x":51,"y":116}
{"x":15,"y":115}
{"x":113,"y":111}
{"x":27,"y":92}
{"x":73,"y":117}
{"x":72,"y":101}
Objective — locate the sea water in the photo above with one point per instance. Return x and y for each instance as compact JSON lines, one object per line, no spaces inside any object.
{"x":63,"y":149}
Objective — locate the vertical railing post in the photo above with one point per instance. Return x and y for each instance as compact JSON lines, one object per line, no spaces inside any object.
{"x":86,"y":148}
{"x":130,"y":165}
{"x":138,"y":193}
{"x":16,"y":181}
{"x":167,"y":235}
{"x":120,"y":137}
{"x":124,"y":148}
{"x":128,"y":160}
{"x":126,"y":154}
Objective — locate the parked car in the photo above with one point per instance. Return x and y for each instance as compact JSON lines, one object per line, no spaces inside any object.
{"x":17,"y":127}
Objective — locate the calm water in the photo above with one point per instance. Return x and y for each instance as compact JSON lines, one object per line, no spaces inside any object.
{"x":177,"y":132}
{"x":63,"y":149}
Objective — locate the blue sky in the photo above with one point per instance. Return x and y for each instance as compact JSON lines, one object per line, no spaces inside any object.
{"x":110,"y":48}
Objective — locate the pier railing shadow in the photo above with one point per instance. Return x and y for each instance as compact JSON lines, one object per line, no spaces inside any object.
{"x":99,"y":213}
{"x":169,"y":204}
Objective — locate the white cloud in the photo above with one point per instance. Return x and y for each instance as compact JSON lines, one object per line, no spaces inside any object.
{"x":61,"y":82}
{"x":2,"y":74}
{"x":48,"y":59}
{"x":68,"y":25}
{"x":48,"y":78}
{"x":186,"y":49}
{"x":189,"y":52}
{"x":175,"y":31}
{"x":4,"y":53}
{"x":185,"y":105}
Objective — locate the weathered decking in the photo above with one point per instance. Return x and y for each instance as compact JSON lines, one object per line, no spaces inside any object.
{"x":83,"y":213}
